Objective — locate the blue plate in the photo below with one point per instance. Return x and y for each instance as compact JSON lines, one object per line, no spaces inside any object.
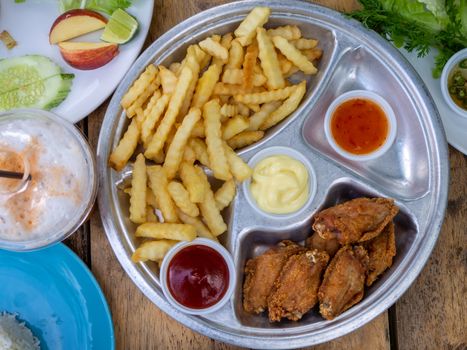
{"x":53,"y":291}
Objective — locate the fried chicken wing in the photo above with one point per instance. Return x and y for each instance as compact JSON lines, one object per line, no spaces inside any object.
{"x":330,"y":246}
{"x":356,"y":220}
{"x":295,"y":290}
{"x":381,"y":250}
{"x":343,"y":282}
{"x":262,"y":271}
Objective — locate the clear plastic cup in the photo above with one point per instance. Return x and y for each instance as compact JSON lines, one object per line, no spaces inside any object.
{"x":219,"y":249}
{"x":59,"y":184}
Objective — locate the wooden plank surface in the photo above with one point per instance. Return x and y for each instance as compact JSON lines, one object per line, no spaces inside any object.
{"x":432,"y":308}
{"x":433,"y":312}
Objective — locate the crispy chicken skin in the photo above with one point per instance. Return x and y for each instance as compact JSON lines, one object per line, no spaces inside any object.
{"x":295,"y":290}
{"x":343,"y":282}
{"x":381,"y":250}
{"x":262,"y":271}
{"x":330,"y":246}
{"x":357,"y":220}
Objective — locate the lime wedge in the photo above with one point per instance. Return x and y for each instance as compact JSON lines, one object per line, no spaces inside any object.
{"x":120,"y":28}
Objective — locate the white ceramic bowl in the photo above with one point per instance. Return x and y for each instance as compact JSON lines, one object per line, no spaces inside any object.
{"x":367,"y":95}
{"x":459,"y":56}
{"x":275,"y":151}
{"x":228,"y":260}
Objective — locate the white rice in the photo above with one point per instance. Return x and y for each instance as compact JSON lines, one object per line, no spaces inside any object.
{"x":15,"y":335}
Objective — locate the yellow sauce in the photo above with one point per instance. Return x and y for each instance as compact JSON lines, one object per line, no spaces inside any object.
{"x":280,"y":184}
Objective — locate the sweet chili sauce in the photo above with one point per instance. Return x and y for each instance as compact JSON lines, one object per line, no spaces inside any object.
{"x":198,"y":276}
{"x":359,"y":126}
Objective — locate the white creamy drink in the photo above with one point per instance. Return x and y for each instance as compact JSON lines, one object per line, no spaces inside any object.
{"x":60,"y":187}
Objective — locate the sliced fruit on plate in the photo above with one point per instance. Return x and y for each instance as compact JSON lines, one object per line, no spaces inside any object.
{"x":86,"y":56}
{"x":74,"y":23}
{"x":32,"y":81}
{"x":120,"y":28}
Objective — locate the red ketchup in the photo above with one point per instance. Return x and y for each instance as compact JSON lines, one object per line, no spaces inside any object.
{"x":198,"y":277}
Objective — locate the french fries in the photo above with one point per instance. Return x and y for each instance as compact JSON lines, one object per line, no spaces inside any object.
{"x":193,"y":183}
{"x":200,"y":150}
{"x":237,"y":77}
{"x":269,"y":61}
{"x":228,"y":110}
{"x":247,"y":29}
{"x":176,"y":232}
{"x":189,"y":155}
{"x":303,"y":44}
{"x":248,"y":66}
{"x":294,"y":55}
{"x":245,"y":138}
{"x":259,"y":117}
{"x":201,"y":229}
{"x":181,"y":198}
{"x":193,"y":64}
{"x":214,"y":49}
{"x":139,"y":86}
{"x":153,"y":116}
{"x":288,"y":32}
{"x":235,"y":55}
{"x":267,"y":96}
{"x":232,"y":89}
{"x":174,"y":154}
{"x":158,"y":183}
{"x":212,"y":125}
{"x":240,"y":170}
{"x":209,"y":209}
{"x":138,"y":103}
{"x":152,"y":250}
{"x":127,"y":145}
{"x":225,"y":194}
{"x":206,"y":85}
{"x":152,"y":102}
{"x":223,"y":95}
{"x":159,"y":138}
{"x":168,"y":80}
{"x":234,"y":126}
{"x":138,"y":191}
{"x":286,"y":108}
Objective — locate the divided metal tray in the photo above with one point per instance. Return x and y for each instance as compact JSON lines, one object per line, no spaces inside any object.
{"x":414,"y":171}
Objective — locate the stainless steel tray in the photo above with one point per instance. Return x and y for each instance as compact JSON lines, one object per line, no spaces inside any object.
{"x":414,"y":171}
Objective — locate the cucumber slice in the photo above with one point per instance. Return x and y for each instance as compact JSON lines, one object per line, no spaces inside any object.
{"x":32,"y":81}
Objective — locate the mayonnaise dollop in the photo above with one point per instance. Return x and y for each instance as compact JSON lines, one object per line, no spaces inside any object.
{"x":280,"y":184}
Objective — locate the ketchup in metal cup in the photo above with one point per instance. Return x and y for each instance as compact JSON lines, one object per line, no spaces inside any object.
{"x":359,"y":126}
{"x":198,"y":277}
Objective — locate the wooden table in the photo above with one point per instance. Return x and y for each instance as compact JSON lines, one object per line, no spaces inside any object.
{"x":431,"y":314}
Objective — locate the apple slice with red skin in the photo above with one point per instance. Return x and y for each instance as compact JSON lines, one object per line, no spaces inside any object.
{"x":87,"y":56}
{"x":74,"y":23}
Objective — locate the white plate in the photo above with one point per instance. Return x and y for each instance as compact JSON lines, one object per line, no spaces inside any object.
{"x":454,"y":124}
{"x":29,"y":24}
